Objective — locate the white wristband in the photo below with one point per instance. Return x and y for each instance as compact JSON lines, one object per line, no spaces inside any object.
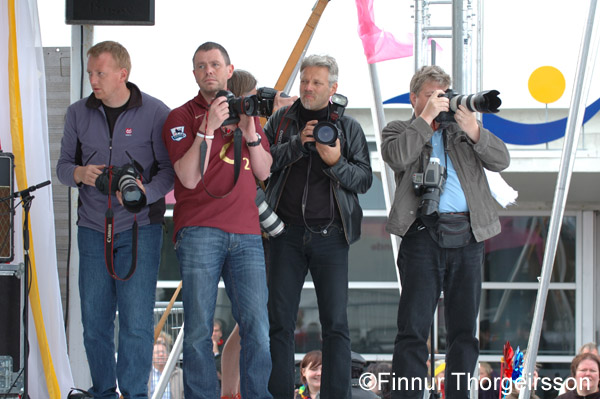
{"x":204,"y":136}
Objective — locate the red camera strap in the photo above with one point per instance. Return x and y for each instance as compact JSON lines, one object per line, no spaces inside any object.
{"x":109,"y":235}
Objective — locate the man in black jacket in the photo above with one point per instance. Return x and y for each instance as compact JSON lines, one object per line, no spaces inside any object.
{"x":313,"y":188}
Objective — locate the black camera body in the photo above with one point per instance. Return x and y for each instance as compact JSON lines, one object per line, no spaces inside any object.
{"x":326,"y":132}
{"x":260,"y":104}
{"x":429,"y":185}
{"x":123,"y":179}
{"x":486,"y":102}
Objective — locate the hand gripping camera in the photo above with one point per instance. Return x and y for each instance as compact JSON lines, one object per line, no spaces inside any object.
{"x":260,"y":104}
{"x":429,"y":185}
{"x":326,"y":132}
{"x":123,"y":179}
{"x":486,"y":102}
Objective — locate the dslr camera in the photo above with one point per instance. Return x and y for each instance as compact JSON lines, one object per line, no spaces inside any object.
{"x":123,"y":179}
{"x":260,"y":104}
{"x":486,"y":102}
{"x":326,"y":132}
{"x":430,"y":185}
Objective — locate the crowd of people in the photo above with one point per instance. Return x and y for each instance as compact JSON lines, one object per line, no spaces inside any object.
{"x":125,"y":150}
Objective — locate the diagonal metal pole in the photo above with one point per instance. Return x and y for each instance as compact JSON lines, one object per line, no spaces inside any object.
{"x":587,"y":52}
{"x":387,"y":175}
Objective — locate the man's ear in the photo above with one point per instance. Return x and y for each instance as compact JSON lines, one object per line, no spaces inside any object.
{"x":124,"y":74}
{"x":333,"y":89}
{"x":413,"y":99}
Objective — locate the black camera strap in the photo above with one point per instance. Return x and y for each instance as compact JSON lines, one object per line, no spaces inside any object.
{"x":109,"y":235}
{"x":237,"y":161}
{"x":445,"y":141}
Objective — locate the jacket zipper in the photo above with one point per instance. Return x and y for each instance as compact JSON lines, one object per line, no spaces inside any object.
{"x":336,"y":185}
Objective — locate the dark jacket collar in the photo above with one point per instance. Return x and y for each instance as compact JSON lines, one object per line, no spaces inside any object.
{"x":135,"y":98}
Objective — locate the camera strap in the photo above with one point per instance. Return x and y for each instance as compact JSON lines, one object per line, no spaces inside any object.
{"x":445,"y":141}
{"x":279,"y":132}
{"x":237,"y":161}
{"x":109,"y":235}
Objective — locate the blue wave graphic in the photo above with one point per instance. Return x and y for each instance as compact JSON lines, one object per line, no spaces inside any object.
{"x":520,"y":133}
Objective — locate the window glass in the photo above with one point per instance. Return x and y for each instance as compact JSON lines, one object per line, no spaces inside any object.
{"x":371,"y":258}
{"x":373,"y":199}
{"x":371,"y":318}
{"x":506,"y":315}
{"x":516,"y":254}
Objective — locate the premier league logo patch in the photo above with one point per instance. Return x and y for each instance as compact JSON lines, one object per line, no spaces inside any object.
{"x":177,"y":133}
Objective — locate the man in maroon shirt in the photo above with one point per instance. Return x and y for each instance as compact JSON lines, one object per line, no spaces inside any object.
{"x":217,"y":232}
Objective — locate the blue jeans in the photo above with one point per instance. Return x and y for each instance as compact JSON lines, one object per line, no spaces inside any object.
{"x":205,"y":255}
{"x":101,"y":296}
{"x":426,"y":270}
{"x":293,"y":254}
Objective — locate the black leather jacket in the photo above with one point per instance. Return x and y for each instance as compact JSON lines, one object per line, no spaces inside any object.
{"x":351,"y":175}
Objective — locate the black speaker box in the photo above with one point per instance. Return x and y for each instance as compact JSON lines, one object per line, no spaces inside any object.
{"x":10,"y":318}
{"x":7,"y":230}
{"x":110,"y":12}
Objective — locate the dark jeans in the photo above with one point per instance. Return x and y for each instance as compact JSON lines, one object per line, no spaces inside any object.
{"x":293,"y":254}
{"x":425,"y":270}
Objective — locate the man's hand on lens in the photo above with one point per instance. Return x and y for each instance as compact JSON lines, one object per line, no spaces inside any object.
{"x":248,"y":128}
{"x":467,"y":122}
{"x":329,"y":155}
{"x":120,"y":196}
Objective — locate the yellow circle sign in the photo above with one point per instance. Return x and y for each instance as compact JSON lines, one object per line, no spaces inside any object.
{"x":546,"y":84}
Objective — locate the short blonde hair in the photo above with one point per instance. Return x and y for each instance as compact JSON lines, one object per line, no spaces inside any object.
{"x":118,"y":52}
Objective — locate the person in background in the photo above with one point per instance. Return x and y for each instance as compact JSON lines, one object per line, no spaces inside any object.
{"x":380,"y":385}
{"x":310,"y":375}
{"x":241,"y":83}
{"x":585,"y":369}
{"x":174,"y":388}
{"x":217,"y":340}
{"x":590,"y":347}
{"x":489,"y":382}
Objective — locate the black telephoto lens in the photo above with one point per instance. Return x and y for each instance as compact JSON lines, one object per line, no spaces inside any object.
{"x":325,"y":133}
{"x":487,"y":101}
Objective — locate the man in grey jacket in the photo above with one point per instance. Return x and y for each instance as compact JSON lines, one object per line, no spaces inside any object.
{"x":442,"y":235}
{"x":116,"y":124}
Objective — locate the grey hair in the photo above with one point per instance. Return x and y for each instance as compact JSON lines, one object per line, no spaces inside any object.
{"x":326,"y":61}
{"x":430,"y":73}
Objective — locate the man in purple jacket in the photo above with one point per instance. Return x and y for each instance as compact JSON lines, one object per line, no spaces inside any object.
{"x":116,"y":125}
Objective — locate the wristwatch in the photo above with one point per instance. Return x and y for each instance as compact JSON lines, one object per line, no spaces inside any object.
{"x":254,"y":143}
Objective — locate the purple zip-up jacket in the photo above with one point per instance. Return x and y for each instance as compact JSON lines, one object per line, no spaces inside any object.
{"x":138,"y":130}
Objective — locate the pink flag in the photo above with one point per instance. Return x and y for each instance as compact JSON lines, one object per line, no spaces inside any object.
{"x":378,"y":44}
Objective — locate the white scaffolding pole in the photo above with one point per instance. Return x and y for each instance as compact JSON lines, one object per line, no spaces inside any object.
{"x":387,"y":175}
{"x":587,"y":52}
